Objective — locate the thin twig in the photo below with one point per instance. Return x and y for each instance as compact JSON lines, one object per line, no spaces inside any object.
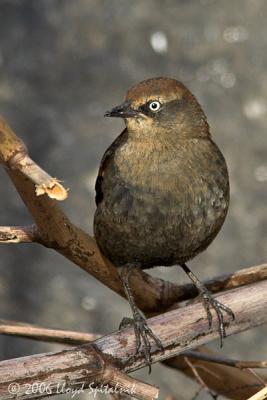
{"x":197,"y":392}
{"x":225,"y":360}
{"x":200,"y":380}
{"x":30,"y":331}
{"x":19,"y":234}
{"x":257,"y":376}
{"x":228,"y":381}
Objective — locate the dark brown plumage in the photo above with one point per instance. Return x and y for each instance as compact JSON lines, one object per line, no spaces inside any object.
{"x":162,"y":192}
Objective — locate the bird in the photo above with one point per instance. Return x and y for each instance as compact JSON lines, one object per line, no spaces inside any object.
{"x":162,"y":193}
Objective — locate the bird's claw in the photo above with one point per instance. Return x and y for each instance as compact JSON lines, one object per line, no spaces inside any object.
{"x":209,"y":302}
{"x":126,"y":322}
{"x":142,"y":335}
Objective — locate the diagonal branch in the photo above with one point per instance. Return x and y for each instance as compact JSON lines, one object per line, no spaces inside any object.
{"x":57,"y":231}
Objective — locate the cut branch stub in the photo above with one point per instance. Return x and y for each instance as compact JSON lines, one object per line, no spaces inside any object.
{"x":44,"y":183}
{"x":14,"y":155}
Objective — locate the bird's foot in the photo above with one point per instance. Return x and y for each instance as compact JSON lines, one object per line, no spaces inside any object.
{"x":125,"y":323}
{"x":142,"y":335}
{"x":210,"y":302}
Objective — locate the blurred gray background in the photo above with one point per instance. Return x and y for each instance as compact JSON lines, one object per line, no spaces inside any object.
{"x":62,"y":65}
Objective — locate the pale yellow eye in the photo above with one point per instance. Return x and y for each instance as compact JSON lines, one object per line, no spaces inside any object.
{"x":154,"y":106}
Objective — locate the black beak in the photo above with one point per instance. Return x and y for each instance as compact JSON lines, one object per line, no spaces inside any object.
{"x":123,"y":111}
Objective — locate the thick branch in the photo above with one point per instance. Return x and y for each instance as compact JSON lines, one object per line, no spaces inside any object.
{"x":34,"y":332}
{"x":238,"y":384}
{"x":179,"y":330}
{"x":86,"y":366}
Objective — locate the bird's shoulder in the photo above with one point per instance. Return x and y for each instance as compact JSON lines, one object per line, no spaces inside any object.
{"x":105,"y":159}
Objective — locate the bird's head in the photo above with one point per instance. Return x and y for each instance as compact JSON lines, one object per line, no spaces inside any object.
{"x":162,"y":106}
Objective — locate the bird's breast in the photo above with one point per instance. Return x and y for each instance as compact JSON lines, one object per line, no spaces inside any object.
{"x":144,"y":165}
{"x":151,"y":184}
{"x":158,"y":195}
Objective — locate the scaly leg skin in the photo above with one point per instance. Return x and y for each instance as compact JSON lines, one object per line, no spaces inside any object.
{"x":141,"y":328}
{"x":209,"y":302}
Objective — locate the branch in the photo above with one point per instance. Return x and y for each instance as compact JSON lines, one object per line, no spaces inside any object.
{"x":227,"y":381}
{"x":178,"y":330}
{"x":228,"y":281}
{"x":34,"y":332}
{"x":202,"y":384}
{"x":240,"y":384}
{"x":260,"y":395}
{"x":86,"y":366}
{"x":19,"y":234}
{"x":14,"y":155}
{"x":57,"y":231}
{"x":46,"y":335}
{"x":225,"y":360}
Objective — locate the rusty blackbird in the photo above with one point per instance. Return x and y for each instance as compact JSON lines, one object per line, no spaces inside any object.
{"x":162,"y":191}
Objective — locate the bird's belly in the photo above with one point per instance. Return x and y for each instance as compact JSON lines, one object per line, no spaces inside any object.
{"x":155,"y":227}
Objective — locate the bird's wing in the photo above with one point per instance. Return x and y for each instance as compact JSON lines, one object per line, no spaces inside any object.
{"x":104,"y":161}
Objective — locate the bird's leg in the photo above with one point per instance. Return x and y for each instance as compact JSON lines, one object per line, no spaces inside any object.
{"x":209,"y":302}
{"x":141,"y":328}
